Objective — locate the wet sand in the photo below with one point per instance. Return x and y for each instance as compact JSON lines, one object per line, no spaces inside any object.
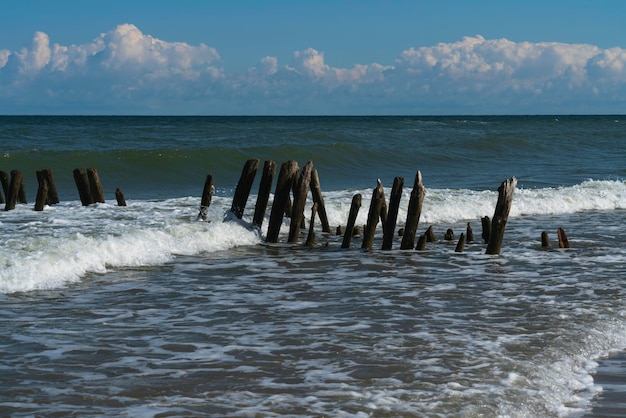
{"x":611,"y":375}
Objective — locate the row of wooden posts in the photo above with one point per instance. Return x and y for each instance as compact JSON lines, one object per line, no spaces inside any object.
{"x":296,"y":182}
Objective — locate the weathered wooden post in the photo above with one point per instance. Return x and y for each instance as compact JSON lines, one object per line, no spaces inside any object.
{"x":545,"y":240}
{"x":469,"y":233}
{"x":449,"y":235}
{"x":21,"y":195}
{"x":316,"y":192}
{"x":242,"y":191}
{"x":378,"y":196}
{"x":119,"y":196}
{"x":207,"y":196}
{"x":4,"y":179}
{"x":501,"y":215}
{"x":286,"y":177}
{"x":461,"y":244}
{"x":265,"y":188}
{"x":421,"y":243}
{"x":563,"y":241}
{"x":53,"y":195}
{"x":486,"y":225}
{"x":299,"y":199}
{"x":42,"y":191}
{"x":413,"y":213}
{"x":354,"y":211}
{"x":310,"y":239}
{"x":430,"y":235}
{"x":82,"y":184}
{"x":392,"y":214}
{"x":14,"y":188}
{"x":95,"y":187}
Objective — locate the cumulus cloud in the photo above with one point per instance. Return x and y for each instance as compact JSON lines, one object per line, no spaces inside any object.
{"x":124,"y":70}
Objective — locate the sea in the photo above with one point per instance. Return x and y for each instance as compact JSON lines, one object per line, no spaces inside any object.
{"x":145,"y":310}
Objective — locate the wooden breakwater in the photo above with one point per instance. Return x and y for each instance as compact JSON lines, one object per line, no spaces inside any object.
{"x":291,"y":192}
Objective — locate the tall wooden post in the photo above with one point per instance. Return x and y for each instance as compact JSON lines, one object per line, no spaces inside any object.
{"x":53,"y":195}
{"x":207,"y":196}
{"x":316,"y":192}
{"x":501,"y":215}
{"x":265,"y":188}
{"x":14,"y":188}
{"x":82,"y":184}
{"x":413,"y":213}
{"x":286,"y":177}
{"x":373,"y":215}
{"x":299,"y":199}
{"x":486,"y":225}
{"x":42,"y":191}
{"x":242,"y":191}
{"x":392,"y":214}
{"x":354,"y":211}
{"x":4,"y":179}
{"x":310,"y":239}
{"x":95,"y":186}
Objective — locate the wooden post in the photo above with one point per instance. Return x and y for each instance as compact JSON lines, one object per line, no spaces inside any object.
{"x":242,"y":191}
{"x":430,"y":235}
{"x":95,"y":187}
{"x":82,"y":184}
{"x":449,"y":235}
{"x":501,"y":215}
{"x":392,"y":215}
{"x":42,"y":191}
{"x":413,"y":213}
{"x":316,"y":192}
{"x":286,"y":177}
{"x":207,"y":196}
{"x":299,"y":199}
{"x":4,"y":179}
{"x":53,"y":195}
{"x":563,"y":241}
{"x":469,"y":233}
{"x":14,"y":188}
{"x":378,"y":196}
{"x":265,"y":188}
{"x":354,"y":211}
{"x":421,"y":243}
{"x":310,"y":239}
{"x":486,"y":225}
{"x":461,"y":244}
{"x":119,"y":196}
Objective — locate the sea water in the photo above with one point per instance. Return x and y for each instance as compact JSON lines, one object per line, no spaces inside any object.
{"x":143,"y":310}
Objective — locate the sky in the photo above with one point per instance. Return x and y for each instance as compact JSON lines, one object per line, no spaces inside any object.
{"x":205,"y":57}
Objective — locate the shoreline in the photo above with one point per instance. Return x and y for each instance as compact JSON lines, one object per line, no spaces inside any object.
{"x":611,"y":375}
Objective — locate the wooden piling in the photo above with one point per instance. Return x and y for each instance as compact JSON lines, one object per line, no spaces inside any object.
{"x":310,"y":239}
{"x":42,"y":191}
{"x":469,"y":233}
{"x":421,"y":243}
{"x":354,"y":211}
{"x":545,"y":240}
{"x":373,"y":216}
{"x":95,"y":186}
{"x":207,"y":196}
{"x":242,"y":191}
{"x":299,"y":200}
{"x":316,"y":192}
{"x":486,"y":225}
{"x":14,"y":188}
{"x":53,"y":195}
{"x":430,"y":235}
{"x":265,"y":188}
{"x":119,"y":196}
{"x":286,"y":177}
{"x":4,"y":179}
{"x":461,"y":244}
{"x":82,"y":184}
{"x":413,"y":213}
{"x":501,"y":215}
{"x":563,"y":241}
{"x":392,"y":214}
{"x":449,"y":235}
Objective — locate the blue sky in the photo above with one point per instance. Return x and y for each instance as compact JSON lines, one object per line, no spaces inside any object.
{"x":303,"y":57}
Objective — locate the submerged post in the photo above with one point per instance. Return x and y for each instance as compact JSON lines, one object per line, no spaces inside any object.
{"x":265,"y":187}
{"x":372,"y":217}
{"x":316,"y":192}
{"x":354,"y":211}
{"x":310,"y":239}
{"x":413,"y":213}
{"x":392,"y":214}
{"x":299,"y":199}
{"x":501,"y":215}
{"x":207,"y":196}
{"x":14,"y":188}
{"x":119,"y":196}
{"x":563,"y":241}
{"x":242,"y":191}
{"x":286,"y":176}
{"x":461,"y":244}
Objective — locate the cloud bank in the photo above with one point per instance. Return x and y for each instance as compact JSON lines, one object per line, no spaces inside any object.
{"x":125,"y":71}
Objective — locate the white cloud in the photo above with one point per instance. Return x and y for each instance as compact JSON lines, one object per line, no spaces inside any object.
{"x":125,"y":67}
